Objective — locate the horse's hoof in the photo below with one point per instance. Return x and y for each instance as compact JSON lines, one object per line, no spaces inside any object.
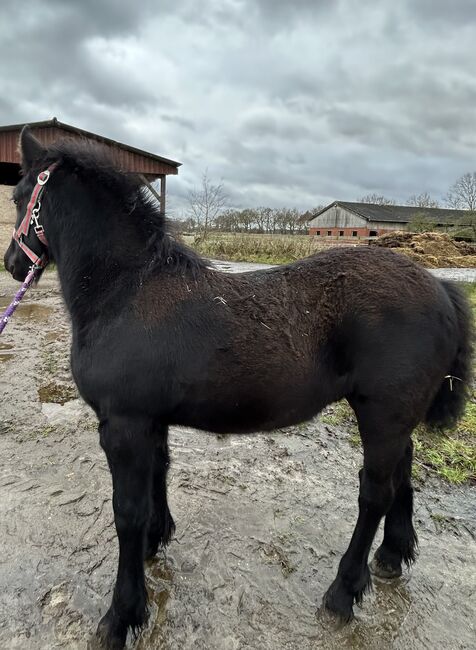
{"x":109,"y":635}
{"x":338,"y":602}
{"x":330,"y":620}
{"x":384,"y":570}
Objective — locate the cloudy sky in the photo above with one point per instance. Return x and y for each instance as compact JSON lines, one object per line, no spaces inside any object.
{"x":288,"y":103}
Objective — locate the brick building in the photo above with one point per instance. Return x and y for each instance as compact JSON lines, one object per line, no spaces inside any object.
{"x":354,"y":221}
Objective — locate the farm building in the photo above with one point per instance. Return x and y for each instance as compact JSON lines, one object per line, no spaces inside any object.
{"x":343,"y":219}
{"x":129,"y":159}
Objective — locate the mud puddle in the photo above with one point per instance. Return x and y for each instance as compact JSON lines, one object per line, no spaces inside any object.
{"x":262,"y":522}
{"x":30,"y":310}
{"x":56,"y":393}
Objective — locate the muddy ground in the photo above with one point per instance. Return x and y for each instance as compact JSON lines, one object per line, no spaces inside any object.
{"x":261,"y":524}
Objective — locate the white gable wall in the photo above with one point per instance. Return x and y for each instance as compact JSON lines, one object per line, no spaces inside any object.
{"x":337,"y":217}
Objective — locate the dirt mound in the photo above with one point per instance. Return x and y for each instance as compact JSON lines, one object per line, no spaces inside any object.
{"x":430,"y":249}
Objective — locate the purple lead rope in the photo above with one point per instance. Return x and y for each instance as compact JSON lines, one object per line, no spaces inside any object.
{"x":17,"y":299}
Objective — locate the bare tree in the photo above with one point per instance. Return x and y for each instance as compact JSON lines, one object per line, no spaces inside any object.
{"x":248,"y":219}
{"x":263,"y":218}
{"x":422,"y":200}
{"x":462,"y":194}
{"x":376,"y":199}
{"x":316,"y":210}
{"x":228,"y":221}
{"x":206,"y":203}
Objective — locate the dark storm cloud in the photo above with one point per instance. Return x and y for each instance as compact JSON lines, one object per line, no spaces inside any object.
{"x":284,"y":15}
{"x":287,"y":103}
{"x":458,"y":13}
{"x":88,"y":17}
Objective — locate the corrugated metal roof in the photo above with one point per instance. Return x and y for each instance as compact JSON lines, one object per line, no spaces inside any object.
{"x":127,"y":158}
{"x":399,"y":213}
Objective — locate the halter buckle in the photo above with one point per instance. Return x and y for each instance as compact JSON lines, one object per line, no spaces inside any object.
{"x":43,"y":177}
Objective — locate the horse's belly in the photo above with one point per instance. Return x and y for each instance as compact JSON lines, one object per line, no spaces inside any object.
{"x":246,"y":413}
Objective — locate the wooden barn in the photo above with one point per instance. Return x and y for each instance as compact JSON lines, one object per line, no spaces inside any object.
{"x":346,"y":220}
{"x":151,"y":166}
{"x":129,"y":159}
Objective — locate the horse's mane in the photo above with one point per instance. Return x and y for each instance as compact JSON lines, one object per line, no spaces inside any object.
{"x":93,"y":162}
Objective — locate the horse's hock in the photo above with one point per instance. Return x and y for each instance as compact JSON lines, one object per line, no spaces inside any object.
{"x":7,"y":216}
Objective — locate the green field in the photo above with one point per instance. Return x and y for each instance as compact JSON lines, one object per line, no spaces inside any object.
{"x":263,"y":249}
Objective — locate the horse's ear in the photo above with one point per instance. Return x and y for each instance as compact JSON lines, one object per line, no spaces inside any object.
{"x":30,"y":148}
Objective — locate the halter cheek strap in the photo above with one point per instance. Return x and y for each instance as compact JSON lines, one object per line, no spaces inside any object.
{"x":31,"y":218}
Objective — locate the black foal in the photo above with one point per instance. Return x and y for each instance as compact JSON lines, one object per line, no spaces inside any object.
{"x":160,"y":339}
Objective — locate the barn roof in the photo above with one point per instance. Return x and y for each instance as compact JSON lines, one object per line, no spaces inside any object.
{"x":129,"y":158}
{"x":399,"y":213}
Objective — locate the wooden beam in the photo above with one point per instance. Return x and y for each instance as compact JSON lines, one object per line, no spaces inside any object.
{"x":162,"y":193}
{"x":160,"y":197}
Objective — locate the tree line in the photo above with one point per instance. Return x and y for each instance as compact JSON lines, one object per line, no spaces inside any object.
{"x":253,"y":220}
{"x":209,"y":209}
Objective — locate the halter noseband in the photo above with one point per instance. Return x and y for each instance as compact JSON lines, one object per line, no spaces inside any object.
{"x":31,"y":218}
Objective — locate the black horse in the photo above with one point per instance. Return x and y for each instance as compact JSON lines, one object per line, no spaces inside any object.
{"x":160,"y":338}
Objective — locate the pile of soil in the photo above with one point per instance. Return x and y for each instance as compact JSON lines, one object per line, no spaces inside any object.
{"x":430,"y":249}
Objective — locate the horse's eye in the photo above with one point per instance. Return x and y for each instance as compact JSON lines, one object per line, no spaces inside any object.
{"x":15,"y":201}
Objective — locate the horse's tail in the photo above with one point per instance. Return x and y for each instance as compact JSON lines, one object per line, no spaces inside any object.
{"x":449,"y":402}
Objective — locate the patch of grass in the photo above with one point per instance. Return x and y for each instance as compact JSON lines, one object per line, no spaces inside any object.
{"x":354,"y":440}
{"x":263,"y":249}
{"x":451,"y":454}
{"x":418,"y":473}
{"x":470,"y":290}
{"x":338,"y":414}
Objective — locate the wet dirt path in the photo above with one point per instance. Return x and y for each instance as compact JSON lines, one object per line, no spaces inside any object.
{"x":261,"y":524}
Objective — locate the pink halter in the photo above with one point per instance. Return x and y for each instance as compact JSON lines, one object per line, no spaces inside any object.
{"x":31,"y":217}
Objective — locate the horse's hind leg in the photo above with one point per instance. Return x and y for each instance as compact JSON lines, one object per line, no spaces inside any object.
{"x":129,"y":447}
{"x":384,"y":445}
{"x":400,"y":539}
{"x":161,"y":524}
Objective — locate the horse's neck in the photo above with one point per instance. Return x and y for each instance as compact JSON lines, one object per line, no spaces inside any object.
{"x":100,"y":269}
{"x":98,"y":278}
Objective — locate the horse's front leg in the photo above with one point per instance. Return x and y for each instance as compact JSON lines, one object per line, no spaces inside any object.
{"x":129,"y":448}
